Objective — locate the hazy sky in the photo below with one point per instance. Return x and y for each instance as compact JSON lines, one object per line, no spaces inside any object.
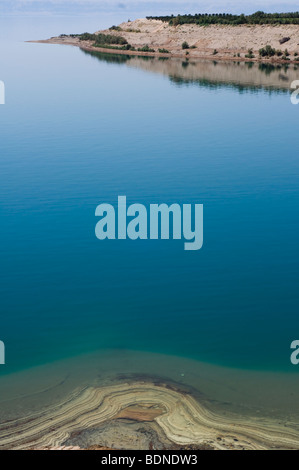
{"x":142,"y":7}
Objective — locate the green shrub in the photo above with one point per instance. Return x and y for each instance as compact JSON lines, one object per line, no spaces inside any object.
{"x":110,"y":39}
{"x":164,"y":51}
{"x":115,"y":28}
{"x":87,"y":37}
{"x":185,"y":45}
{"x":103,"y":38}
{"x":267,"y":51}
{"x":131,"y":30}
{"x":145,"y":48}
{"x":126,"y":47}
{"x":250,"y":54}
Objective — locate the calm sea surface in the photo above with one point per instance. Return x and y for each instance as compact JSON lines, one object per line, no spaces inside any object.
{"x":80,"y":129}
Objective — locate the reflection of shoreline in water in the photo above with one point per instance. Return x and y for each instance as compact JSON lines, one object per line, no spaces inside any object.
{"x":255,"y":400}
{"x":241,"y":75}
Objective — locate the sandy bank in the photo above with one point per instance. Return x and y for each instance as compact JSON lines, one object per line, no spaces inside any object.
{"x":230,"y":42}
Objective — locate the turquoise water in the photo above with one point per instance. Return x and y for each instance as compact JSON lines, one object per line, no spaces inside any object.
{"x":79,"y":130}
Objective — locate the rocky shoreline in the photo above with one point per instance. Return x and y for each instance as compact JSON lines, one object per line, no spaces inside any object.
{"x":140,"y":415}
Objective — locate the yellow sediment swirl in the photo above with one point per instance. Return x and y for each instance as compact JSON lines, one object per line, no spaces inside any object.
{"x":181,"y":417}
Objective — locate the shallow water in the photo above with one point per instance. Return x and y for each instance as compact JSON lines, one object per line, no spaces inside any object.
{"x":80,"y":129}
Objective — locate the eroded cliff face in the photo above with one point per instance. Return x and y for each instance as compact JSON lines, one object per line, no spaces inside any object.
{"x":225,"y":39}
